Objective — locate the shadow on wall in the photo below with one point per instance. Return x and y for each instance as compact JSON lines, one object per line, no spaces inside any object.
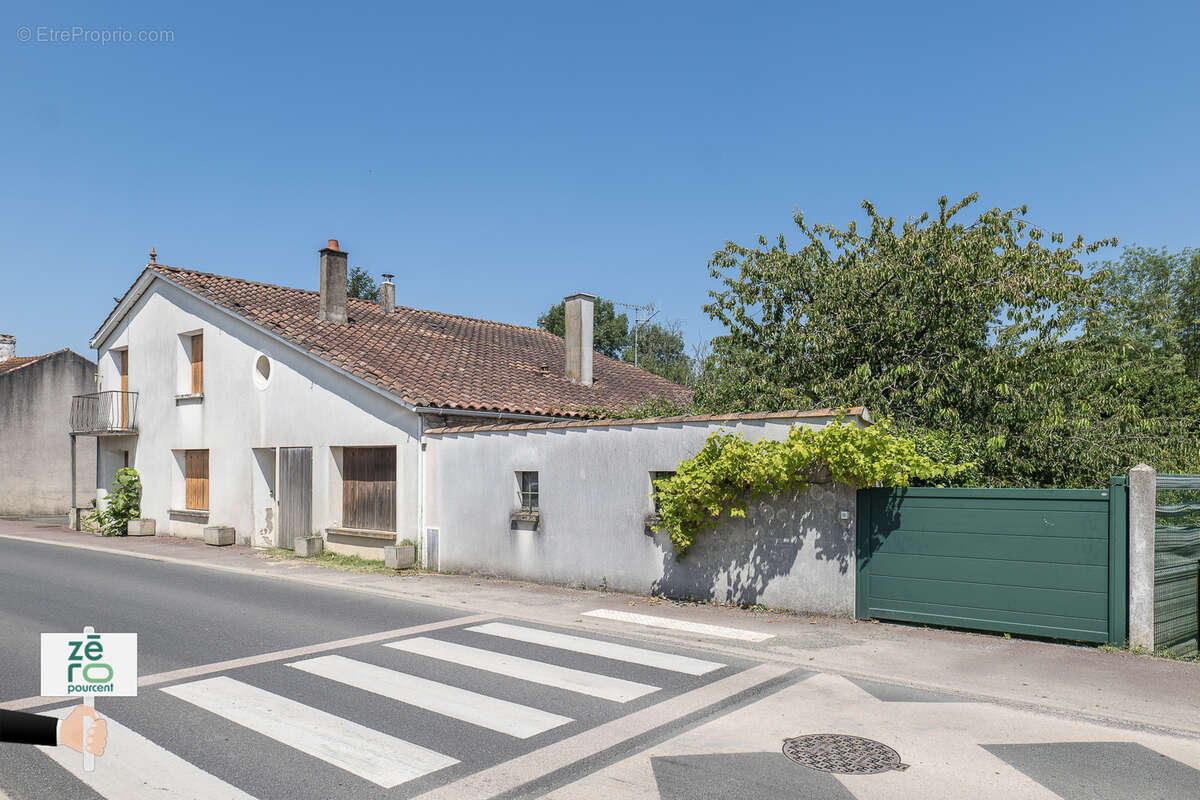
{"x":780,"y":535}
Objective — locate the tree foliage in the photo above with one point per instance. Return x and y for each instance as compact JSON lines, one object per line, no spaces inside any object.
{"x":1153,"y":301}
{"x":988,"y":332}
{"x":660,"y":349}
{"x":729,"y":471}
{"x":360,"y":284}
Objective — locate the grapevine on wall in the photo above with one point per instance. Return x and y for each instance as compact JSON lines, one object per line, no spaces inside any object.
{"x":730,"y":471}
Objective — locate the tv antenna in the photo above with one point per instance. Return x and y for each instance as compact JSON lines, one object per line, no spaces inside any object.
{"x":641,"y":315}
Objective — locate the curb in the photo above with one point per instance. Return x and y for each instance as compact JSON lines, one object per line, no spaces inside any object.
{"x":765,"y":655}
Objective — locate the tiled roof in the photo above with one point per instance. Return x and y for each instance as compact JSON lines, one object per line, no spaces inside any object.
{"x":431,"y":359}
{"x":16,"y":362}
{"x":857,"y":411}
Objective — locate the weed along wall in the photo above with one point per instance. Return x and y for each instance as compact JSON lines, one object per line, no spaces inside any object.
{"x":582,"y":519}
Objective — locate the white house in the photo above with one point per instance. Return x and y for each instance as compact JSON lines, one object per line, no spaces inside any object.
{"x":281,"y":411}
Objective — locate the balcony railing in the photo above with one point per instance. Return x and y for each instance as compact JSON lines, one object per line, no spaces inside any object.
{"x":110,"y":413}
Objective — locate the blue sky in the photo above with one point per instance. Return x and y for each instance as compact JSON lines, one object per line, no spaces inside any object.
{"x":499,"y":156}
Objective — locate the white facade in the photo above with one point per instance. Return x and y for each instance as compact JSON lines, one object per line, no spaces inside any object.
{"x":793,"y":552}
{"x":262,"y":393}
{"x":241,"y":419}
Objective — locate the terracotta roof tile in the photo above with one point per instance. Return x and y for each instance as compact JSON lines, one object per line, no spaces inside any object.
{"x":16,"y":362}
{"x":857,"y":411}
{"x":429,"y":358}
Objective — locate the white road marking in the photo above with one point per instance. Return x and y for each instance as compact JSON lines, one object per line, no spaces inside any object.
{"x":513,"y":719}
{"x":133,"y":768}
{"x":680,"y":625}
{"x":368,"y":753}
{"x":263,"y":658}
{"x":573,"y":680}
{"x":510,"y":775}
{"x":594,"y":647}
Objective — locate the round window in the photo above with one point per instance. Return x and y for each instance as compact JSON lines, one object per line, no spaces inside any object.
{"x":262,"y":372}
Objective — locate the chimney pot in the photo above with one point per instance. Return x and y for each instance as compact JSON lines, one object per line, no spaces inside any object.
{"x":8,"y":346}
{"x":580,"y":309}
{"x":333,"y":283}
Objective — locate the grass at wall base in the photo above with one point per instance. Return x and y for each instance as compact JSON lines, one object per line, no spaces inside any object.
{"x":729,"y":472}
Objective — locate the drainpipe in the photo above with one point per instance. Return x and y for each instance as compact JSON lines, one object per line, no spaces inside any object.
{"x":424,"y":545}
{"x":72,"y":514}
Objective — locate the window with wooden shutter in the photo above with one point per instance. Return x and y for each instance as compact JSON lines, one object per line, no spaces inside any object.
{"x":369,"y":488}
{"x":196,"y":479}
{"x":198,"y":364}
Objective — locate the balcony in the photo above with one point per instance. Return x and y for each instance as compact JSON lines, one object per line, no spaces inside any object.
{"x":104,"y":413}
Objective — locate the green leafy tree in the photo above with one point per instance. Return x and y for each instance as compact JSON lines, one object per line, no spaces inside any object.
{"x":610,"y":333}
{"x":360,"y":284}
{"x":661,"y":350}
{"x":1154,"y":301}
{"x":985,"y":330}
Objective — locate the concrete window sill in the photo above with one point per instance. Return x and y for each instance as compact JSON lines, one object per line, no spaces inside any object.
{"x":189,"y":399}
{"x":188,"y":515}
{"x":362,"y":533}
{"x":526,"y":516}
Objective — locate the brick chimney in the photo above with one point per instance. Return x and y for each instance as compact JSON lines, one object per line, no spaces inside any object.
{"x":333,"y":283}
{"x":387,"y":294}
{"x":8,"y":346}
{"x":579,"y":312}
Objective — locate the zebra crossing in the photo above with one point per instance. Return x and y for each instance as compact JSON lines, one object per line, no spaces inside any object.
{"x":514,"y":685}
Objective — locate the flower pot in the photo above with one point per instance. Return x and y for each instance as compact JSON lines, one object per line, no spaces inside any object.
{"x":140,"y":527}
{"x":309,"y":546}
{"x":219,"y":535}
{"x":400,"y":556}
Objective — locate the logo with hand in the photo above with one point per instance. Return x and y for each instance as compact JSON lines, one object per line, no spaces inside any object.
{"x":82,"y":730}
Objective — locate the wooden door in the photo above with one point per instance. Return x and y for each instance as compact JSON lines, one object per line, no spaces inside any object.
{"x":369,"y":488}
{"x":195,"y":468}
{"x":295,"y":495}
{"x":123,"y":405}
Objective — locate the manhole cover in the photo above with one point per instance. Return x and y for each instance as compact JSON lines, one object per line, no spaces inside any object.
{"x":846,"y":755}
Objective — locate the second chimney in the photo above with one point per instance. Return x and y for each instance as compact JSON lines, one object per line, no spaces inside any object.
{"x":579,"y":311}
{"x":387,"y":294}
{"x":8,"y":346}
{"x":333,"y":283}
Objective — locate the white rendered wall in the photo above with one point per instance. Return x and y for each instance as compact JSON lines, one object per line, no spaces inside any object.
{"x":790,"y":552}
{"x":304,"y":404}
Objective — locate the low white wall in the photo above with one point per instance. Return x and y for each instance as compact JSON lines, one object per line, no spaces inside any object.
{"x":789,"y":552}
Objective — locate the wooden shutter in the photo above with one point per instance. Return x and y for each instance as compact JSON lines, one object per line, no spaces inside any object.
{"x":123,"y":366}
{"x":369,"y":488}
{"x":198,"y":363}
{"x":196,"y":479}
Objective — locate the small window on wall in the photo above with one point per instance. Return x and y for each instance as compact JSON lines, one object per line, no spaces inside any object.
{"x":196,"y":480}
{"x":527,"y":488}
{"x":198,"y":363}
{"x":655,"y":477}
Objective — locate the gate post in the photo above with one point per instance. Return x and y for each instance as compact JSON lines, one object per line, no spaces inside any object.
{"x":1141,"y":556}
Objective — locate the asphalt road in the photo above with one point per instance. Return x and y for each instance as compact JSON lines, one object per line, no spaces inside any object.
{"x":188,"y":617}
{"x":342,"y":694}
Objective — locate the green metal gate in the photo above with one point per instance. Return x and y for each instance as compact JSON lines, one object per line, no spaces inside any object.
{"x":1039,"y":562}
